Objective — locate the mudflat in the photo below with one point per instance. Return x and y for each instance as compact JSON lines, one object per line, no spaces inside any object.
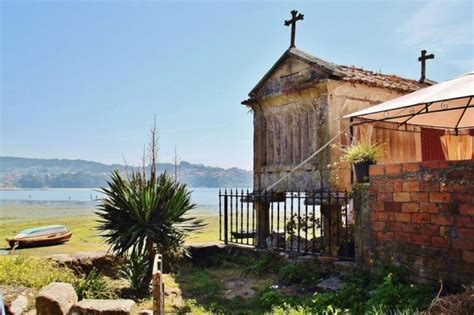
{"x":80,"y":219}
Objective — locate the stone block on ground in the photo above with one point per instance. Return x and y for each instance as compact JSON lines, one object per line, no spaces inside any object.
{"x":55,"y":299}
{"x":174,"y":298}
{"x":18,"y":299}
{"x":330,"y":284}
{"x":104,"y":307}
{"x":202,"y":254}
{"x":62,"y":259}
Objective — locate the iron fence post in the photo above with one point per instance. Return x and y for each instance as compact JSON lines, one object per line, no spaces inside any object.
{"x":226,"y":217}
{"x":220,"y":216}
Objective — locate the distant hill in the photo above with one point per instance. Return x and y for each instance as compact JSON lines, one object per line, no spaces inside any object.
{"x":63,"y":173}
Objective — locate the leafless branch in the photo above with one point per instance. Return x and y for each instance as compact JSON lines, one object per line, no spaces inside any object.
{"x":125,"y":163}
{"x":176,"y":162}
{"x":153,"y":150}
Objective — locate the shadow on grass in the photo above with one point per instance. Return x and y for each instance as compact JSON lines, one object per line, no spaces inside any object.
{"x":206,"y":289}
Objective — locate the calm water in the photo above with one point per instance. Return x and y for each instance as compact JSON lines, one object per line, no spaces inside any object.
{"x":206,"y":198}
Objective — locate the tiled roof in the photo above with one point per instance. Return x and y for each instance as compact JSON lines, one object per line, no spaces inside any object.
{"x":351,"y":74}
{"x":389,"y":81}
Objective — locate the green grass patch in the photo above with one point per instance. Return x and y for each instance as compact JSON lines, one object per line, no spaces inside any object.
{"x":306,"y":274}
{"x":32,"y":272}
{"x":204,"y":291}
{"x":94,"y":286}
{"x":209,"y":233}
{"x":361,"y":294}
{"x":290,"y":289}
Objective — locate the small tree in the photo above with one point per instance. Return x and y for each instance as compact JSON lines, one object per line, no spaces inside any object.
{"x":144,"y":213}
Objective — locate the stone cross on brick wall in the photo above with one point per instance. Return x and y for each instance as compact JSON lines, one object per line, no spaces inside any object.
{"x":423,"y":59}
{"x":294,"y":18}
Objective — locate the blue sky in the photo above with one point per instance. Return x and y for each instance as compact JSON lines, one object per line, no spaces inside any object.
{"x":84,"y":79}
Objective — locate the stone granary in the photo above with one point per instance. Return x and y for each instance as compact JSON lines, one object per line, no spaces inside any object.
{"x":297,"y":107}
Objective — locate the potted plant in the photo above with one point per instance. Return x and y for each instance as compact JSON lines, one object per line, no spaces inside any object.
{"x":361,"y":156}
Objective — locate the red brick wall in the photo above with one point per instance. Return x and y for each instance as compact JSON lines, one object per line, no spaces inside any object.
{"x":422,"y":216}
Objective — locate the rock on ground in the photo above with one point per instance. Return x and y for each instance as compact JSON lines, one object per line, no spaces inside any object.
{"x":55,"y":299}
{"x":175,"y":298}
{"x":18,"y":299}
{"x":201,"y":255}
{"x":330,"y":284}
{"x":104,"y":307}
{"x":239,"y":287}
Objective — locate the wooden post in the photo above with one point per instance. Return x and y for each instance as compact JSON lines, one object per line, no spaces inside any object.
{"x":262,"y":209}
{"x":158,"y":286}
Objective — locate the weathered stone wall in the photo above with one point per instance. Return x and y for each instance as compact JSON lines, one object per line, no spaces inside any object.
{"x":297,"y":111}
{"x":290,"y":123}
{"x":422,"y":217}
{"x":288,"y":134}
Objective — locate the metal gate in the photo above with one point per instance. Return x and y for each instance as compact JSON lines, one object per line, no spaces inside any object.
{"x":317,"y":222}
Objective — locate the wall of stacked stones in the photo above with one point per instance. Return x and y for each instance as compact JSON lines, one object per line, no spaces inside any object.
{"x":422,"y":217}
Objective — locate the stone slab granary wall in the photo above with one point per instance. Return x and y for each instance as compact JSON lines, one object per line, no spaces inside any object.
{"x":287,"y":135}
{"x":296,"y":111}
{"x":422,"y":217}
{"x":290,"y":123}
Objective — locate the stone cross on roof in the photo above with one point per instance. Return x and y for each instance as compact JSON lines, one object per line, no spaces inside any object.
{"x":294,"y":18}
{"x":423,"y":59}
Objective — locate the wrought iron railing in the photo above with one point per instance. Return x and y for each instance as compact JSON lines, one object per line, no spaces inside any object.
{"x":318,"y":222}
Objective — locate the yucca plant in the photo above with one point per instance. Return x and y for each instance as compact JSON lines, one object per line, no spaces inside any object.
{"x":147,"y":213}
{"x":135,"y":271}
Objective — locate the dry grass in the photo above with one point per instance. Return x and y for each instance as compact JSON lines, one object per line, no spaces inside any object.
{"x":32,"y":272}
{"x":455,"y":304}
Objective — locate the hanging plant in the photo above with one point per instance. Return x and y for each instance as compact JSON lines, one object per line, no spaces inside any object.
{"x":362,"y":153}
{"x":361,"y":156}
